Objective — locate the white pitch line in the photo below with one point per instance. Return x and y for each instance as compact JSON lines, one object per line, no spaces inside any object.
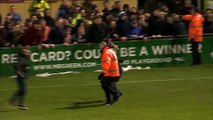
{"x":129,"y":82}
{"x":168,"y":80}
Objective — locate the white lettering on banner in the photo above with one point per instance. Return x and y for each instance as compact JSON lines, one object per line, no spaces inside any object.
{"x":200,"y":48}
{"x":211,"y":54}
{"x":143,"y":51}
{"x":13,"y":58}
{"x":50,"y":56}
{"x":68,"y":54}
{"x":126,"y":62}
{"x":78,"y":54}
{"x":95,"y":54}
{"x":43,"y":57}
{"x":171,"y":49}
{"x":157,"y":50}
{"x":32,"y":57}
{"x":65,"y":66}
{"x":132,"y":51}
{"x":123,"y":52}
{"x":89,"y":64}
{"x":179,"y":59}
{"x":60,"y":56}
{"x":87,"y":54}
{"x":8,"y":58}
{"x":189,"y":48}
{"x":148,"y":61}
{"x":128,"y":52}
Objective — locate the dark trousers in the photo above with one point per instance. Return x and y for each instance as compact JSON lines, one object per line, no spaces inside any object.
{"x":109,"y":85}
{"x":195,"y":53}
{"x":21,"y":92}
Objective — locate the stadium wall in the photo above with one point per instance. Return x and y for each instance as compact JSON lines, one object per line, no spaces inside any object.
{"x":84,"y":57}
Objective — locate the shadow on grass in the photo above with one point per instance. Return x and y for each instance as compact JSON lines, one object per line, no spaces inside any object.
{"x":86,"y":104}
{"x":5,"y":111}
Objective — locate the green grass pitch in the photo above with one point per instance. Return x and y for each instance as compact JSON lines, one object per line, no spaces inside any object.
{"x":174,"y":93}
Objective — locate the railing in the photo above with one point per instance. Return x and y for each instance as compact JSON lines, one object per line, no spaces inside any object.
{"x":154,"y":38}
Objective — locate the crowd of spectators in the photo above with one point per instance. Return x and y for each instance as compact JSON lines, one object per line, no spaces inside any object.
{"x":86,"y":23}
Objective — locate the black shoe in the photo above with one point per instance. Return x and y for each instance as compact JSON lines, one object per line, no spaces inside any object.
{"x":193,"y":64}
{"x":21,"y":107}
{"x":120,"y":94}
{"x":117,"y":98}
{"x":107,"y":103}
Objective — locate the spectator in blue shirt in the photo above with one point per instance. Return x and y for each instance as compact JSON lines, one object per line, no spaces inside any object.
{"x":135,"y":30}
{"x":14,"y":15}
{"x":63,"y":10}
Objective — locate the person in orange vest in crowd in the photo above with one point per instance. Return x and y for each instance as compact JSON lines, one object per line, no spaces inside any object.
{"x":195,"y":33}
{"x":110,"y":73}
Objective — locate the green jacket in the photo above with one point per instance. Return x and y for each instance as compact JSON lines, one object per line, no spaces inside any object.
{"x":43,"y":5}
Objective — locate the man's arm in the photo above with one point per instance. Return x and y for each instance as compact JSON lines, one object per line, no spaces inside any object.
{"x":187,"y":17}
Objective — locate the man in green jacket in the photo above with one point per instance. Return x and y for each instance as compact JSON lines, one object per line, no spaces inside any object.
{"x":38,"y":4}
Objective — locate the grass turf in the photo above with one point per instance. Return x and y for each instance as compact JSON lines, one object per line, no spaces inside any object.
{"x":176,"y":93}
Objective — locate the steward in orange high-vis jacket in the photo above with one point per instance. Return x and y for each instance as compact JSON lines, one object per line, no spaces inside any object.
{"x":110,"y":73}
{"x":195,"y":33}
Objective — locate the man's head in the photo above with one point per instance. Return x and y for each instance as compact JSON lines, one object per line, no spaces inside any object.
{"x":83,"y":13}
{"x":122,"y":15}
{"x":26,"y":52}
{"x":102,"y":44}
{"x":81,"y":30}
{"x":36,"y":24}
{"x":98,"y":20}
{"x":37,"y":12}
{"x":59,"y":22}
{"x":193,"y":10}
{"x":12,"y":9}
{"x":47,"y":12}
{"x":134,"y":22}
{"x":43,"y":22}
{"x":17,"y":28}
{"x":117,"y":4}
{"x":106,"y":4}
{"x":187,"y":3}
{"x":113,"y":24}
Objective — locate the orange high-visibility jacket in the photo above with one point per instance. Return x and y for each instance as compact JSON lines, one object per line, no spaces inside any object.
{"x":109,"y":63}
{"x":195,"y":27}
{"x":46,"y":33}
